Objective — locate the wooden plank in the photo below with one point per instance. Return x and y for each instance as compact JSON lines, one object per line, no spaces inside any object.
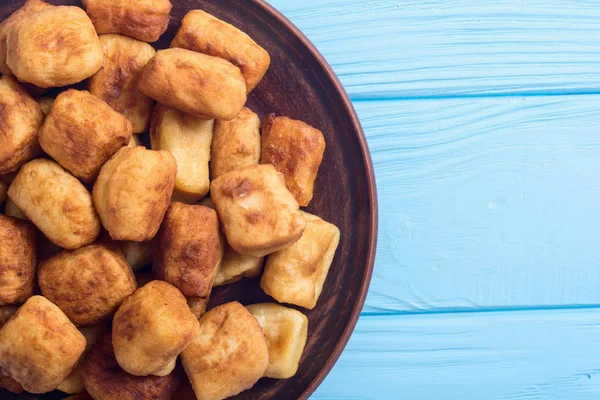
{"x":487,"y":203}
{"x":526,"y":355}
{"x":440,"y":48}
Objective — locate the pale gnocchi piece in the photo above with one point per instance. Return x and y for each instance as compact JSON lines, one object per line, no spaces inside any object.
{"x":21,"y":118}
{"x":30,"y":7}
{"x":188,"y":249}
{"x":296,"y":274}
{"x":73,"y":384}
{"x":235,"y":143}
{"x":117,"y":81}
{"x":188,"y":139}
{"x":57,"y":46}
{"x":17,"y":260}
{"x":207,"y":34}
{"x":145,"y":20}
{"x":228,"y":355}
{"x":88,"y":284}
{"x":151,"y":328}
{"x":204,"y":86}
{"x":133,"y":191}
{"x":296,"y":150}
{"x":137,"y":254}
{"x":236,"y":266}
{"x":258,"y":213}
{"x":56,"y":202}
{"x":286,"y":331}
{"x":82,"y":133}
{"x":39,"y":346}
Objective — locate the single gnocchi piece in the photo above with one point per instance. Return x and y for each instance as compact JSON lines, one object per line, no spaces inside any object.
{"x":228,"y":355}
{"x":133,"y":191}
{"x":56,"y":202}
{"x":151,"y":328}
{"x":21,"y":118}
{"x":82,"y":133}
{"x":30,"y":7}
{"x":117,"y":81}
{"x":144,"y":20}
{"x":235,"y":143}
{"x":39,"y":346}
{"x":258,"y":213}
{"x":189,"y":249}
{"x":207,"y":34}
{"x":236,"y":266}
{"x":296,"y":274}
{"x":296,"y":150}
{"x":203,"y":86}
{"x":285,"y":330}
{"x":88,"y":284}
{"x":17,"y":260}
{"x":57,"y":46}
{"x":188,"y":139}
{"x":104,"y":379}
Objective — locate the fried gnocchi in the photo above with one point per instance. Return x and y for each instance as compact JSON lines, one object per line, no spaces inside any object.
{"x":189,"y":249}
{"x":204,"y":86}
{"x":235,"y":143}
{"x":137,"y":254}
{"x":87,"y":284}
{"x":17,"y":260}
{"x":197,"y":305}
{"x":82,"y":132}
{"x":104,"y":379}
{"x":11,"y":210}
{"x":228,"y":355}
{"x":21,"y":118}
{"x":285,"y":330}
{"x":46,"y":104}
{"x":296,"y":274}
{"x":39,"y":346}
{"x":133,"y":191}
{"x":57,"y":46}
{"x":56,"y":202}
{"x":145,"y":20}
{"x":258,"y":213}
{"x":188,"y":139}
{"x":236,"y":266}
{"x":207,"y":34}
{"x":296,"y":150}
{"x":151,"y":328}
{"x":117,"y":81}
{"x":30,"y":7}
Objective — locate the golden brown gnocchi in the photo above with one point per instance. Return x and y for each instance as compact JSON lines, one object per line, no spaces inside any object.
{"x":133,"y":191}
{"x":285,"y":330}
{"x":228,"y":355}
{"x":206,"y":34}
{"x":236,"y":266}
{"x":188,"y":139}
{"x":235,"y":143}
{"x":296,"y":274}
{"x":117,"y":81}
{"x":56,"y":202}
{"x":39,"y":346}
{"x":296,"y":150}
{"x":258,"y":213}
{"x":189,"y":249}
{"x":21,"y":118}
{"x":17,"y":260}
{"x":145,"y":20}
{"x":87,"y":284}
{"x":57,"y":46}
{"x":204,"y":86}
{"x":151,"y":328}
{"x":82,"y":132}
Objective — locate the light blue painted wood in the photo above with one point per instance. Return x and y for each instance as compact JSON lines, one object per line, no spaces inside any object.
{"x":431,"y":48}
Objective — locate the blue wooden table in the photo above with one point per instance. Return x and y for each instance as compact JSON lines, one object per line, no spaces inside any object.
{"x":483,"y":122}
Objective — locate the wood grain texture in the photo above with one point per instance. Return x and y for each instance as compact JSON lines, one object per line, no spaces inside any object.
{"x":519,"y":355}
{"x":487,"y":203}
{"x":440,"y":48}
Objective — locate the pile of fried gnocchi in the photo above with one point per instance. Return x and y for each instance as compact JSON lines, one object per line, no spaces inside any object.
{"x":89,"y":207}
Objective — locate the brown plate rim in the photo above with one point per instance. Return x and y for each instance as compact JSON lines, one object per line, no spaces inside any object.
{"x":349,"y":108}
